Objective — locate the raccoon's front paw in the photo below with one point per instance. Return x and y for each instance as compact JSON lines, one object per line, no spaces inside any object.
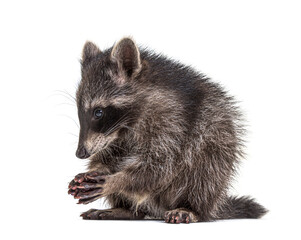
{"x":180,"y":215}
{"x":87,"y":187}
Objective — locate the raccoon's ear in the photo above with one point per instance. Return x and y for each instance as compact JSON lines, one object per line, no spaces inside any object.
{"x":90,"y":50}
{"x":127,"y":55}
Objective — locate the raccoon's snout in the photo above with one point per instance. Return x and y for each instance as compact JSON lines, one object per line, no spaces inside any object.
{"x":82,"y":153}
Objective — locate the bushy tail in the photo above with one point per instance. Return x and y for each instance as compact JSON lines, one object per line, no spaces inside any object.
{"x":241,"y":207}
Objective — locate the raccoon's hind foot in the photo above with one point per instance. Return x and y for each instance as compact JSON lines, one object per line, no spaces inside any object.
{"x":87,"y":187}
{"x":111,"y":214}
{"x":180,"y":215}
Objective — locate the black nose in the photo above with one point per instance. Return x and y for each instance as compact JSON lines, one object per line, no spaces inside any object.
{"x":82,"y":153}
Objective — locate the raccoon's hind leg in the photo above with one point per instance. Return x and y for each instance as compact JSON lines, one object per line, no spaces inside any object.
{"x":120,"y":210}
{"x":180,"y":215}
{"x":111,"y":214}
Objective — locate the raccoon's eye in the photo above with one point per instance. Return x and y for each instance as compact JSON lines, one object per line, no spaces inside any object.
{"x":98,"y":113}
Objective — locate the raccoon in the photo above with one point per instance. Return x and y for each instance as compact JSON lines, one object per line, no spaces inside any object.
{"x":163,"y":140}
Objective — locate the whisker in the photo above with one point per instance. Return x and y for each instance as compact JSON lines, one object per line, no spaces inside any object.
{"x":112,"y":130}
{"x":119,"y":126}
{"x":73,"y":143}
{"x":62,"y":95}
{"x":68,"y":94}
{"x":114,"y":145}
{"x":64,"y":115}
{"x":109,"y":131}
{"x":73,"y":134}
{"x":70,"y":104}
{"x":129,"y":128}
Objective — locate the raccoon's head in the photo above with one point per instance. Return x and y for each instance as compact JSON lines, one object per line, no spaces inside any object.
{"x":105,"y":95}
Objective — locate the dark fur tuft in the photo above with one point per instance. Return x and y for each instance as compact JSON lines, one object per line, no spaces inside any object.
{"x":241,"y":207}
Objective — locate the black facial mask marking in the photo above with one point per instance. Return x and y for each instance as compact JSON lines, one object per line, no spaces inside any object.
{"x":110,"y":117}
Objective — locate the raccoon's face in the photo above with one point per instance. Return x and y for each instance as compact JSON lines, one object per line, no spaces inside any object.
{"x":105,"y":97}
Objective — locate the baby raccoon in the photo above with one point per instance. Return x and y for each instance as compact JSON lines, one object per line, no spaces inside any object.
{"x":163,"y":140}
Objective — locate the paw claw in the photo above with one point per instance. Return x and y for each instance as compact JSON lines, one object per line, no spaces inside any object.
{"x":178,"y":219}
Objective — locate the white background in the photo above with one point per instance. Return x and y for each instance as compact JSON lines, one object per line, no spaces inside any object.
{"x":250,"y":47}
